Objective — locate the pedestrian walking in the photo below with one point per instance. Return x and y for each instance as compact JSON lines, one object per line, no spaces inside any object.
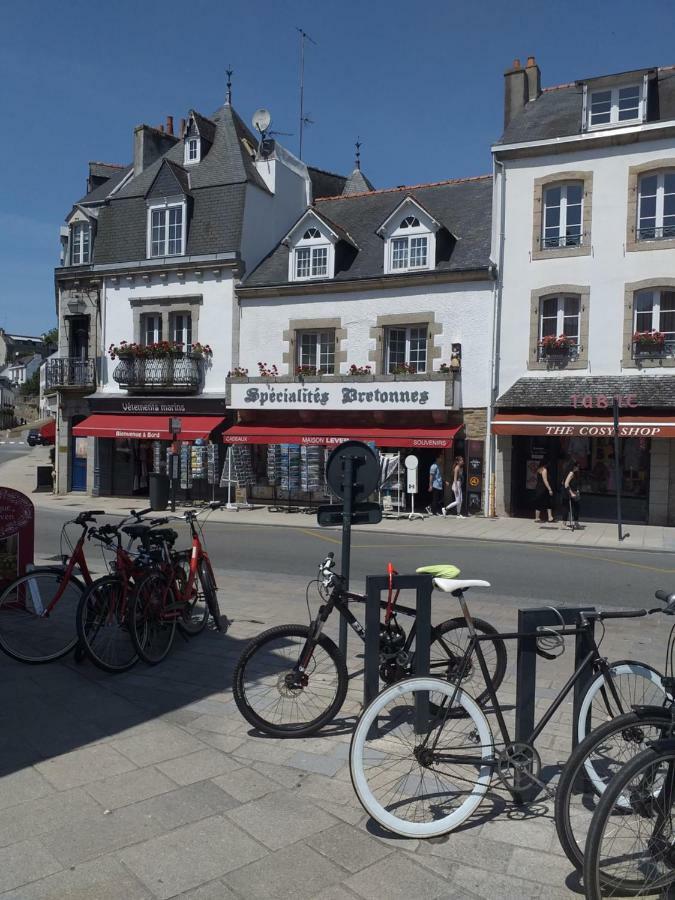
{"x":457,"y":477}
{"x":543,"y":493}
{"x":436,"y":487}
{"x":572,"y":491}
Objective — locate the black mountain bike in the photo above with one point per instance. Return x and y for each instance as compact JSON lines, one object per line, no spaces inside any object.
{"x":292,"y":680}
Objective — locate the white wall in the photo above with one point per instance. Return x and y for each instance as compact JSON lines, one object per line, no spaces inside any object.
{"x":268,"y":218}
{"x":465,"y":311}
{"x":214,"y":326}
{"x":606,"y":270}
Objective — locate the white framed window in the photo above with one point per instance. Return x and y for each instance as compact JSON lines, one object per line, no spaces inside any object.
{"x":654,"y":311}
{"x":151,"y":329}
{"x":192,"y":150}
{"x":562,"y":222}
{"x":80,"y":247}
{"x":615,"y":106}
{"x":559,"y":317}
{"x":316,"y":349}
{"x":656,"y":206}
{"x":409,"y":246}
{"x":312,"y":257}
{"x":166,"y":230}
{"x":181,"y":329}
{"x":406,"y":347}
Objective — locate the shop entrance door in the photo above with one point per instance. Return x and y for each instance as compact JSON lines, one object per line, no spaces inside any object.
{"x":78,"y":459}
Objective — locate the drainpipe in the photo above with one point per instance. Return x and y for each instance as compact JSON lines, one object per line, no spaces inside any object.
{"x":497,"y":272}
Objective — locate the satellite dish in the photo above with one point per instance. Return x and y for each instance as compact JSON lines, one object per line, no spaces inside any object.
{"x":261,"y":120}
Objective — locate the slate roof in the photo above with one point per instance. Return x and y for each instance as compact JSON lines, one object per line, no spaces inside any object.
{"x":216,"y":187}
{"x":99,"y":194}
{"x":357,"y":183}
{"x":655,"y":391}
{"x":463,"y":208}
{"x":325,"y":184}
{"x":557,"y":111}
{"x":205,"y":127}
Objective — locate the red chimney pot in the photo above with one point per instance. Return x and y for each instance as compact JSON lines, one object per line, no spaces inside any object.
{"x":169,"y":121}
{"x":530,"y":62}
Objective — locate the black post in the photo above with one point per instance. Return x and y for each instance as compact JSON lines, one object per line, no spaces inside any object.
{"x":172,"y":461}
{"x":617,"y":468}
{"x":346,"y":541}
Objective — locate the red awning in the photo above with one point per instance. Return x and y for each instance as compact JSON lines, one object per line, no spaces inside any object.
{"x":148,"y":427}
{"x":646,"y":426}
{"x":440,"y":436}
{"x":49,"y":430}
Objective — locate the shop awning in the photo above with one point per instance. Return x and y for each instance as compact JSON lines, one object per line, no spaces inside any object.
{"x":440,"y":436}
{"x":148,"y":427}
{"x":48,"y":430}
{"x":646,"y":426}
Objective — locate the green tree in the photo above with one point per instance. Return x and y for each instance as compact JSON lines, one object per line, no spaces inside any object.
{"x":51,"y":336}
{"x":31,"y":386}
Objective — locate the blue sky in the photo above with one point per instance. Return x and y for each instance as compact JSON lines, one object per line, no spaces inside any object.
{"x":422,"y":84}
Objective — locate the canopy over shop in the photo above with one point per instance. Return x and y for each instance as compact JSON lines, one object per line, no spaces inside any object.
{"x":566,"y":419}
{"x":132,"y":444}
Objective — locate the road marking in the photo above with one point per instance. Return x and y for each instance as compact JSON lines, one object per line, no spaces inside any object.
{"x":608,"y":559}
{"x":319,"y":536}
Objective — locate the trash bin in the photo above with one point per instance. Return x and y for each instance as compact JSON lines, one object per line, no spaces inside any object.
{"x":159,"y":490}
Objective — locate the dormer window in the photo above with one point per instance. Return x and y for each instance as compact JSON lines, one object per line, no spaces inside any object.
{"x":312,"y":256}
{"x":192,"y":150}
{"x":409,"y":246}
{"x":615,"y":106}
{"x":80,"y":244}
{"x":166,"y":229}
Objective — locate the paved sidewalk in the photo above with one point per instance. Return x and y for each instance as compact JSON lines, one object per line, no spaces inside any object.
{"x":20,"y":474}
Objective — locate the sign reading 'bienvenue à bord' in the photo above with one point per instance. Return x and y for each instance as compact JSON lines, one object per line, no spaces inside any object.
{"x":372,"y":395}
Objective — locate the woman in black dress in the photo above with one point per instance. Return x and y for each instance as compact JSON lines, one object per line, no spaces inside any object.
{"x":543,"y":493}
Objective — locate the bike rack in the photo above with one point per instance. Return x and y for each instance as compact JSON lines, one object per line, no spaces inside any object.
{"x":375,"y":584}
{"x":529,"y":620}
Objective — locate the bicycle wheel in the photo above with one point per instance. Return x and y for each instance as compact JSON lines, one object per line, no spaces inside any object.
{"x":27,"y":631}
{"x":152,"y":618}
{"x":277,"y":700}
{"x":449,"y":642}
{"x":592,"y":765}
{"x":424,"y":781}
{"x":195,"y":613}
{"x":102,"y":625}
{"x":636,"y":684}
{"x":629,"y":849}
{"x":211,"y":595}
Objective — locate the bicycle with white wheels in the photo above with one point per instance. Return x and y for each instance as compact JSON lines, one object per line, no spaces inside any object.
{"x":423,"y":753}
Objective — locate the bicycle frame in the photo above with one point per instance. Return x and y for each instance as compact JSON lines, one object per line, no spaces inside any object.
{"x":592,"y":658}
{"x":77,"y":560}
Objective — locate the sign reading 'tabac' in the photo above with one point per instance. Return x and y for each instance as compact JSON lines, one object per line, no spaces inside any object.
{"x":17,"y":533}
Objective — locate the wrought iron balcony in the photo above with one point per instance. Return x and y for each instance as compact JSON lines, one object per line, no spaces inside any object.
{"x":653,"y":349}
{"x":179,"y":374}
{"x":558,"y":357}
{"x":70,"y":373}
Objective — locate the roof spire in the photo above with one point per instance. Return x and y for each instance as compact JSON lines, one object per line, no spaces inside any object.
{"x":228,"y":95}
{"x":357,"y":144}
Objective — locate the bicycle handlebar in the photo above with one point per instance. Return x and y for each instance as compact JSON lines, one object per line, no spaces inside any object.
{"x":623,"y":614}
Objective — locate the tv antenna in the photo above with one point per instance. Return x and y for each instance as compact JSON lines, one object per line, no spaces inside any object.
{"x":304,"y":120}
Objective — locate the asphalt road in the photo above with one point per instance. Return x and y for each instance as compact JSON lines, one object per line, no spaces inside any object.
{"x":12,"y":450}
{"x":531,"y":573}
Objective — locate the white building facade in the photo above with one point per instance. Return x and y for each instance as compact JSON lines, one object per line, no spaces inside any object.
{"x":584,"y":235}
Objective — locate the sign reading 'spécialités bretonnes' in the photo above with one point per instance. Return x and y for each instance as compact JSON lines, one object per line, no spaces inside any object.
{"x":370,"y":395}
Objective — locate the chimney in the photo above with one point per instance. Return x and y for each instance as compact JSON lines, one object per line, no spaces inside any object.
{"x":182,"y":128}
{"x":516,"y":92}
{"x":149,"y":145}
{"x":533,"y":78}
{"x":169,"y":119}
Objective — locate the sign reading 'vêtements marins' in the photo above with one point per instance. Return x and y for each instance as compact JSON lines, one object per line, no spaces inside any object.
{"x":372,"y":395}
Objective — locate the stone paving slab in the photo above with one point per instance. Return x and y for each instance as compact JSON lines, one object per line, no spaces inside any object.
{"x":174,"y":796}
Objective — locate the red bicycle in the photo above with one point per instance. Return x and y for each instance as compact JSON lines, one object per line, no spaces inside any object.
{"x":176,"y":594}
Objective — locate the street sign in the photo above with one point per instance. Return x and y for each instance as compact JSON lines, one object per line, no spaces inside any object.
{"x":362,"y":514}
{"x":357,"y":459}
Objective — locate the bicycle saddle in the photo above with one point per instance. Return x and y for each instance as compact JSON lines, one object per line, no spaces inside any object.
{"x":159,"y":535}
{"x":135,"y":531}
{"x":450,"y":585}
{"x":446,"y":570}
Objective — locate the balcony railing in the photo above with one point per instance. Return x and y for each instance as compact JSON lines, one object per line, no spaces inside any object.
{"x":179,"y":374}
{"x":651,"y":350}
{"x":656,"y":233}
{"x":64,"y":373}
{"x":566,"y":240}
{"x":558,"y":357}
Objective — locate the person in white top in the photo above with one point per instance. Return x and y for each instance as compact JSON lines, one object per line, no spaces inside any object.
{"x":457,"y":475}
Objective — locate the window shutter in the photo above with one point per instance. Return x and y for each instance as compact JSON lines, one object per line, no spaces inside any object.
{"x":584,"y":109}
